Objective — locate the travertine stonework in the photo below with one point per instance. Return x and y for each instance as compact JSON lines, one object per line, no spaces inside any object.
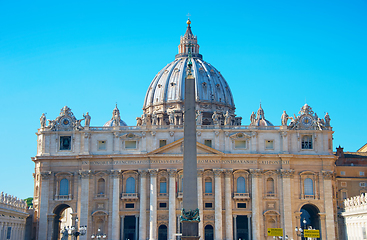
{"x":127,"y":180}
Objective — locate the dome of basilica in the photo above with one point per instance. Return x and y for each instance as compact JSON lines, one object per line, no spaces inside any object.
{"x":166,"y":92}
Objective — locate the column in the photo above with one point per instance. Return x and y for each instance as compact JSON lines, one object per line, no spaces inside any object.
{"x":329,"y":210}
{"x":143,"y":205}
{"x":218,"y":204}
{"x":235,"y":226}
{"x":200,"y":203}
{"x":249,"y":226}
{"x":43,"y":208}
{"x":287,"y":201}
{"x":50,"y":224}
{"x":122,"y":218}
{"x":228,"y":204}
{"x":136,"y":227}
{"x":115,"y":231}
{"x":323,"y":227}
{"x":256,"y":203}
{"x":83,"y":199}
{"x":153,"y":205}
{"x":172,"y":205}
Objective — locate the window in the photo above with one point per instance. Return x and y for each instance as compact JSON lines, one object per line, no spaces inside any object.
{"x":163,"y":185}
{"x":344,"y":195}
{"x":130,"y":185}
{"x":270,"y":186}
{"x":208,"y":143}
{"x":239,"y":144}
{"x":308,"y":186}
{"x":241,"y":205}
{"x":208,"y":205}
{"x":269,"y":144}
{"x":361,"y":173}
{"x":64,"y":187}
{"x":208,"y":185}
{"x":102,"y":145}
{"x":65,"y":143}
{"x":162,"y":143}
{"x":129,"y":205}
{"x":362,"y":184}
{"x":241,"y":186}
{"x":307,"y":142}
{"x":162,"y":205}
{"x":343,"y":184}
{"x":342,"y":173}
{"x":130,"y":144}
{"x":101,"y":186}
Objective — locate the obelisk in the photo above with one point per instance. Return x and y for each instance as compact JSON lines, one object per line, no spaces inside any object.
{"x":190,"y":212}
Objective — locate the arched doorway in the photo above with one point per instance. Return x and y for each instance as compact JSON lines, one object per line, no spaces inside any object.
{"x":208,"y":232}
{"x":310,"y":218}
{"x":162,"y":232}
{"x":62,"y":219}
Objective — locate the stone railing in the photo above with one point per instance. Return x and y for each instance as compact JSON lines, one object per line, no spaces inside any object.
{"x":356,"y":203}
{"x":11,"y":202}
{"x":67,"y":197}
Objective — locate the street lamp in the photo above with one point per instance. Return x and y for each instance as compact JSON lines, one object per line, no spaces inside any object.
{"x":99,"y":235}
{"x":299,"y":231}
{"x":74,"y":231}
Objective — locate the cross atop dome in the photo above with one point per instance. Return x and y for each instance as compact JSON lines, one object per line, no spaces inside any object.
{"x":189,"y":40}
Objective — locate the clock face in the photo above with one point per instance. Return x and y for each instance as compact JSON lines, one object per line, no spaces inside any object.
{"x":65,"y":121}
{"x":306,"y":120}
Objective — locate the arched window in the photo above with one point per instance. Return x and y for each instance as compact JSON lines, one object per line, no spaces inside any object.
{"x":208,"y":185}
{"x":241,"y":186}
{"x":64,"y":187}
{"x":270,"y":186}
{"x":308,"y":186}
{"x":163,"y":185}
{"x":130,"y":185}
{"x":101,"y":186}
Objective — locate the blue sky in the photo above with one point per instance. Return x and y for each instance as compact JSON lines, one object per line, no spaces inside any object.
{"x":91,"y":54}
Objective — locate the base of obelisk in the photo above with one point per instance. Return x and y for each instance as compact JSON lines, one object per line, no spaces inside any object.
{"x":190,"y":231}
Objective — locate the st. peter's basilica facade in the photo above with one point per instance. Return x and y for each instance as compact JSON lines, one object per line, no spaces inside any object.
{"x":126,"y":181}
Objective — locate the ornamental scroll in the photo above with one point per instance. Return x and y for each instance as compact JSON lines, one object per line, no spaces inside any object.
{"x":190,"y":216}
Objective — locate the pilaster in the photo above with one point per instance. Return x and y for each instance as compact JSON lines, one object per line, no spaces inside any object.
{"x":200,"y":202}
{"x":43,"y":208}
{"x":115,"y":179}
{"x":329,"y":210}
{"x":286,"y":201}
{"x":256,"y":174}
{"x":83,"y":199}
{"x":143,"y":206}
{"x":172,"y":204}
{"x":153,"y":205}
{"x":218,"y":234}
{"x":228,"y":203}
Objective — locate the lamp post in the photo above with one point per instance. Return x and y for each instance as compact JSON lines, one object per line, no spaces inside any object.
{"x":75,"y":231}
{"x":99,"y":235}
{"x":299,"y":231}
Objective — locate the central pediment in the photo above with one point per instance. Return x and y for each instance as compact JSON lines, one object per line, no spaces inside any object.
{"x":177,"y":147}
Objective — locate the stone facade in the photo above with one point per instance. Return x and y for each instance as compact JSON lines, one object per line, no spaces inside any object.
{"x":13,"y":215}
{"x":355,"y":214}
{"x":126,"y":181}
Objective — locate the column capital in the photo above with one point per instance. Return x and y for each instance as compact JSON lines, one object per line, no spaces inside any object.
{"x":228,"y":172}
{"x":115,"y":173}
{"x":217,"y":172}
{"x":143,"y":173}
{"x":328,"y":175}
{"x":45,"y":175}
{"x":298,"y":215}
{"x":286,"y":173}
{"x":153,"y":172}
{"x":256,"y":173}
{"x":200,"y":172}
{"x":85,"y":174}
{"x":172,"y":172}
{"x":322,"y":216}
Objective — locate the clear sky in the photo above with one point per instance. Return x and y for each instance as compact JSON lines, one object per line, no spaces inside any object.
{"x":89,"y":55}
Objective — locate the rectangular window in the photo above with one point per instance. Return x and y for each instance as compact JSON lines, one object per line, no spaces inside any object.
{"x":162,"y":143}
{"x":362,"y":184}
{"x":129,"y":205}
{"x":130,"y":144}
{"x":65,"y":143}
{"x":8,"y":235}
{"x":344,"y":195}
{"x":239,"y":144}
{"x":208,"y":142}
{"x":102,"y":145}
{"x":361,"y":173}
{"x":307,"y":142}
{"x":162,"y":187}
{"x":208,"y":205}
{"x":208,"y":187}
{"x":241,"y":205}
{"x":342,"y":173}
{"x":269,"y":144}
{"x":162,"y":205}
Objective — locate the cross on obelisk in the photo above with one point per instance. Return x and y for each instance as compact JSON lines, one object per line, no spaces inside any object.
{"x":190,"y":213}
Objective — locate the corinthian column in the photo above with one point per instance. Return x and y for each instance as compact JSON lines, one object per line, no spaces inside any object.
{"x":328,"y":198}
{"x":143,"y":205}
{"x":172,"y":205}
{"x":228,"y":204}
{"x":83,"y":199}
{"x":255,"y":203}
{"x":218,"y":204}
{"x":153,"y":205}
{"x":43,"y":208}
{"x":200,"y":203}
{"x":287,"y":201}
{"x":115,"y":228}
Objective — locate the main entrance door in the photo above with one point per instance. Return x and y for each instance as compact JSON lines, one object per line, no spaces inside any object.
{"x":162,"y":232}
{"x":242,"y":227}
{"x":209,"y":232}
{"x":129,"y":228}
